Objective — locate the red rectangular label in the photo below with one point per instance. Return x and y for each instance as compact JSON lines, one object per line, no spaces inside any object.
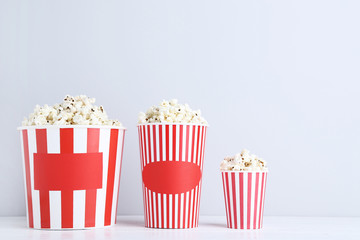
{"x":67,"y":171}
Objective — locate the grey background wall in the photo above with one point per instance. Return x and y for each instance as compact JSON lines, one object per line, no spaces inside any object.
{"x":280,"y":78}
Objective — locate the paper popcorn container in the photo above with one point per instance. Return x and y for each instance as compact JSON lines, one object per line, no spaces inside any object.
{"x":171,"y":165}
{"x":244,"y":194}
{"x":72,"y":175}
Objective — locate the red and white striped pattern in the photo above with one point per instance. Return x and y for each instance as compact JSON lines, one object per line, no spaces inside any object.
{"x":73,"y":209}
{"x":172,"y":142}
{"x":244,"y":194}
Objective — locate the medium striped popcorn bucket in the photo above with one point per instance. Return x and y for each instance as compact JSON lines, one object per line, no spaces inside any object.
{"x":244,"y":194}
{"x":171,"y":165}
{"x":72,"y":175}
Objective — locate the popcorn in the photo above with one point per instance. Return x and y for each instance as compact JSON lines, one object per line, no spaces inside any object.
{"x":171,"y":112}
{"x":77,"y":110}
{"x":243,"y":162}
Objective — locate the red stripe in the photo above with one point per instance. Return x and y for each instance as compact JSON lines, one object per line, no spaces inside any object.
{"x":234,"y":198}
{"x":228,"y":196}
{"x":179,"y":209}
{"x":157,"y":210}
{"x":249,"y":200}
{"x":167,"y":143}
{"x":174,"y":143}
{"x":192,"y":145}
{"x":114,"y":134}
{"x":160,"y":144}
{"x":67,"y":146}
{"x":181,"y":143}
{"x":197,"y":147}
{"x":122,"y":151}
{"x":149,"y":142}
{"x":41,"y":145}
{"x":27,"y":177}
{"x":241,"y":182}
{"x":154,"y":142}
{"x":256,"y":198}
{"x":90,"y":196}
{"x":225,"y":200}
{"x":187,"y":144}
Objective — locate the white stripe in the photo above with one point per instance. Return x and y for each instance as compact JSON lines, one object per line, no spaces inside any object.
{"x":263,"y":200}
{"x":53,"y":146}
{"x":176,"y":210}
{"x":143,"y":144}
{"x":170,"y":144}
{"x":147,"y":145}
{"x":117,"y":176}
{"x":190,"y":143}
{"x":143,"y":188}
{"x":258,"y":202}
{"x":225,"y":198}
{"x":151,"y":144}
{"x":171,"y":210}
{"x":253,"y":184}
{"x":177,"y":156}
{"x":80,"y":146}
{"x":55,"y":209}
{"x":186,"y":205}
{"x":184,"y":143}
{"x":34,"y":193}
{"x":160,"y":210}
{"x":24,"y":174}
{"x":150,"y":208}
{"x":198,"y":154}
{"x":104,"y":144}
{"x":196,"y":204}
{"x":142,"y":147}
{"x":157,"y":143}
{"x":237,"y":192}
{"x":231,"y":202}
{"x":195,"y":144}
{"x":164,"y":142}
{"x":182,"y":210}
{"x":192,"y":207}
{"x":164,"y":205}
{"x":156,"y":217}
{"x":203,"y":148}
{"x":79,"y":209}
{"x":245,"y":187}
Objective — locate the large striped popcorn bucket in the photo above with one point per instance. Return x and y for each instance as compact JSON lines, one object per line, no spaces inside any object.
{"x":171,"y":165}
{"x":72,"y":175}
{"x":244,"y":194}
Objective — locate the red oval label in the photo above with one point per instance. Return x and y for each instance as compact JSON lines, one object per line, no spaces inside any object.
{"x":171,"y":177}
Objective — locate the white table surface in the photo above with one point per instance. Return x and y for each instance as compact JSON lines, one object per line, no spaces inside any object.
{"x":132,"y":227}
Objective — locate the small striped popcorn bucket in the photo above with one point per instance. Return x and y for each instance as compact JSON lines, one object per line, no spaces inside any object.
{"x":72,"y":175}
{"x":244,"y":194}
{"x":171,"y":165}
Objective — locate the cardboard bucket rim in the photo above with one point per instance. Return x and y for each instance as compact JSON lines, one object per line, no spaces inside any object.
{"x":70,"y":126}
{"x":184,"y":124}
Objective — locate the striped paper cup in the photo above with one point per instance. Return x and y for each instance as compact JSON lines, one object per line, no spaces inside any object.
{"x":171,"y":165}
{"x":72,"y":175}
{"x":244,"y":194}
